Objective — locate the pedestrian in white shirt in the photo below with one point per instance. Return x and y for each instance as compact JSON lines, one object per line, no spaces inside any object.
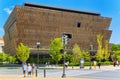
{"x":24,"y":69}
{"x":29,"y":69}
{"x":95,"y":64}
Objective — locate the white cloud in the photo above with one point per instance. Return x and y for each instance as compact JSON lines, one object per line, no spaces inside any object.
{"x":7,"y":10}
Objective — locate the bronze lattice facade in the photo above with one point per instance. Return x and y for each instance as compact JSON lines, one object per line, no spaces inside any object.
{"x":32,"y":23}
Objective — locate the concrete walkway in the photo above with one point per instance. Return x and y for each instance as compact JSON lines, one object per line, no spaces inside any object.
{"x":103,"y":67}
{"x":20,"y":77}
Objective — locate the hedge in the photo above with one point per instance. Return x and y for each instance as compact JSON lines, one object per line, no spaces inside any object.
{"x":88,"y":63}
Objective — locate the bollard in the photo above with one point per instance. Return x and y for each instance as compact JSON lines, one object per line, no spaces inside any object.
{"x":36,"y":72}
{"x":44,"y":72}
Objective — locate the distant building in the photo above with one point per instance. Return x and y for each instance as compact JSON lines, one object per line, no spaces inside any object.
{"x":1,"y":44}
{"x":32,"y":23}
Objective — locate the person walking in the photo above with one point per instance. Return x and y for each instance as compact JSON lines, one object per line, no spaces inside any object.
{"x":24,"y":69}
{"x":114,"y":63}
{"x":117,"y":63}
{"x":29,"y":69}
{"x":33,"y":69}
{"x":94,"y":64}
{"x":66,"y":64}
{"x":99,"y":64}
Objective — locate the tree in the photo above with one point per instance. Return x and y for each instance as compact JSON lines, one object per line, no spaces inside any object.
{"x":86,"y":55}
{"x":22,"y":52}
{"x":69,"y":57}
{"x":7,"y":57}
{"x":77,"y":54}
{"x":3,"y":57}
{"x":11,"y":59}
{"x":116,"y":51}
{"x":106,"y":52}
{"x":100,"y":51}
{"x":115,"y":47}
{"x":55,"y":47}
{"x":116,"y":55}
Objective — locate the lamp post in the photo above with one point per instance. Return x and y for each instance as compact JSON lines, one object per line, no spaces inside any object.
{"x":38,"y":46}
{"x":91,"y":48}
{"x":65,"y":38}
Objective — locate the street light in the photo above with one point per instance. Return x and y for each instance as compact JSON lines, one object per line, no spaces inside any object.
{"x":65,"y":38}
{"x":38,"y":46}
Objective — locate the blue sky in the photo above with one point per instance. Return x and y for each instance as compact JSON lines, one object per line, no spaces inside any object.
{"x":107,"y":8}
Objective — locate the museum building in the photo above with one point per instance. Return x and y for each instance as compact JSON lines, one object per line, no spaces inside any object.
{"x":32,"y":23}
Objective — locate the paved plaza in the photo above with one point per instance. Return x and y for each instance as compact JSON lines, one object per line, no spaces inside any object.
{"x":11,"y":77}
{"x":55,"y":73}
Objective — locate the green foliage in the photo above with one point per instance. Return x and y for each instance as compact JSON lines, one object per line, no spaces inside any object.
{"x":116,"y":51}
{"x":115,"y":47}
{"x":3,"y":57}
{"x":100,"y":51}
{"x":55,"y":47}
{"x":116,"y":55}
{"x":86,"y":55}
{"x":7,"y":58}
{"x":77,"y":54}
{"x":74,"y":64}
{"x":69,"y":57}
{"x":32,"y":60}
{"x":23,"y":52}
{"x":106,"y":52}
{"x":10,"y":59}
{"x":106,"y":63}
{"x":88,"y":63}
